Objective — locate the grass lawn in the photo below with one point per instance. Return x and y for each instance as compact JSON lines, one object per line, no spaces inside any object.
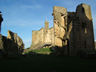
{"x":42,"y":62}
{"x":47,"y":63}
{"x":42,"y":51}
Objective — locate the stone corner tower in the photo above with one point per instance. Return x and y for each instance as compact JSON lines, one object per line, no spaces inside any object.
{"x":82,"y":35}
{"x":87,"y":25}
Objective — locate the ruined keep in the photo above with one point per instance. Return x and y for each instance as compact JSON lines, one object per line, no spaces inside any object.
{"x":72,"y":31}
{"x":81,"y":25}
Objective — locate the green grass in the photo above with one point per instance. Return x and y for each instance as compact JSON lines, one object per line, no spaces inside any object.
{"x":41,"y":51}
{"x":47,"y":63}
{"x":44,"y":62}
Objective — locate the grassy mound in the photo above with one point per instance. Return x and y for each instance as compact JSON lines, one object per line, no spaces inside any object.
{"x":42,"y":51}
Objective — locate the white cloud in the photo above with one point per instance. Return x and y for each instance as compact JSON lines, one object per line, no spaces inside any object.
{"x":31,"y":6}
{"x":23,"y":23}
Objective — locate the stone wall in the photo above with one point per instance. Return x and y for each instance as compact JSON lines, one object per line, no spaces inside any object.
{"x":72,"y":31}
{"x":42,"y":37}
{"x":82,"y":36}
{"x":11,"y":45}
{"x":37,"y":37}
{"x":60,"y":24}
{"x":17,"y":40}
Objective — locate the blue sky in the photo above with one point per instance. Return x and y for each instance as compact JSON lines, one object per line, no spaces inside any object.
{"x":23,"y":16}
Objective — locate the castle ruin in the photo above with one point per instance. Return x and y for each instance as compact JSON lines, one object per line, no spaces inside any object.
{"x":72,"y":31}
{"x":45,"y":36}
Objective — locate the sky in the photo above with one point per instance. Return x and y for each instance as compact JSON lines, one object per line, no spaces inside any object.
{"x":23,"y":16}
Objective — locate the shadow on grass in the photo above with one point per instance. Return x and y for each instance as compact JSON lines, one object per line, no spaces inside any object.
{"x":46,"y":63}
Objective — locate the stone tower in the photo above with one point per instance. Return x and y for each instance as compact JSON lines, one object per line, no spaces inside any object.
{"x":46,"y":26}
{"x":46,"y":31}
{"x":60,"y":23}
{"x":73,"y":31}
{"x":81,"y":35}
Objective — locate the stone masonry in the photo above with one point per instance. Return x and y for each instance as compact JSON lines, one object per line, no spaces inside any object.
{"x":42,"y":37}
{"x":72,"y":31}
{"x":11,"y":45}
{"x":81,"y":36}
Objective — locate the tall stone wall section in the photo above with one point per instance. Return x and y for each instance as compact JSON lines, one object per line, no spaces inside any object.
{"x":83,"y":36}
{"x":37,"y":37}
{"x":60,"y":25}
{"x":74,"y":30}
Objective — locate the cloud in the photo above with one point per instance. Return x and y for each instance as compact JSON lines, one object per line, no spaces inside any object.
{"x":24,"y":23}
{"x":37,"y":6}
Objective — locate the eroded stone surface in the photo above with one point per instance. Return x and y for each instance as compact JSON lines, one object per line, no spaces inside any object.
{"x":11,"y":45}
{"x":17,"y":40}
{"x":72,"y":31}
{"x":45,"y":36}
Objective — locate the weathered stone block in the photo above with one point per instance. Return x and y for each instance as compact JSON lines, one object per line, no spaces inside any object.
{"x":58,"y":42}
{"x":17,"y":40}
{"x":11,"y":45}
